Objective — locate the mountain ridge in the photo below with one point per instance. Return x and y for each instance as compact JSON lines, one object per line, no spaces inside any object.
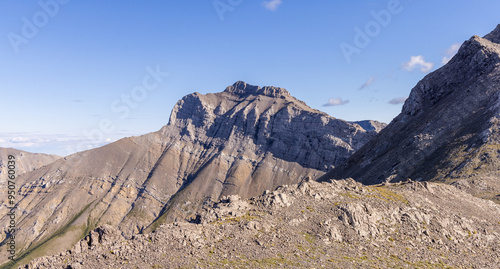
{"x":24,"y":161}
{"x":220,"y":149}
{"x":232,"y":142}
{"x":448,"y":123}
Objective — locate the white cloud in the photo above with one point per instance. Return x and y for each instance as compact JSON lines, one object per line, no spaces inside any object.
{"x":369,"y":82}
{"x":42,"y":143}
{"x":60,"y":144}
{"x":336,"y":102}
{"x":450,"y":52}
{"x":23,"y":140}
{"x":19,"y":139}
{"x":272,"y":4}
{"x":418,"y":62}
{"x":25,"y":145}
{"x":397,"y":101}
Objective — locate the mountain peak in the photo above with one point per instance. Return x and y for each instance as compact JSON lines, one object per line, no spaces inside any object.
{"x":447,"y":131}
{"x":241,"y":88}
{"x":494,"y":36}
{"x":239,"y":142}
{"x":475,"y":58}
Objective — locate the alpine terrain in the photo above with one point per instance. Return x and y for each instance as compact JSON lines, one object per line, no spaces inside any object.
{"x":25,"y":161}
{"x":237,"y":180}
{"x":448,"y":130}
{"x":334,"y":224}
{"x":242,"y":141}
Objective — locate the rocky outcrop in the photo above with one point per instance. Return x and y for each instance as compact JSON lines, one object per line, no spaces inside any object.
{"x":448,"y":129}
{"x":101,"y":236}
{"x":310,"y":225}
{"x":241,"y":141}
{"x":371,"y":125}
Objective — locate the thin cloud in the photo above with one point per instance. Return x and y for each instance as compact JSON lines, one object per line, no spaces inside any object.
{"x":45,"y":143}
{"x":60,"y":144}
{"x":19,"y":139}
{"x":77,"y":101}
{"x":397,"y":101}
{"x":336,"y":102}
{"x":23,"y":140}
{"x":369,"y":82}
{"x":272,"y":5}
{"x":418,"y":62}
{"x":450,"y":52}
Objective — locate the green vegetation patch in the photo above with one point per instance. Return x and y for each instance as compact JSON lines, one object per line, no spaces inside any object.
{"x":243,"y":262}
{"x":388,"y":195}
{"x":41,"y":248}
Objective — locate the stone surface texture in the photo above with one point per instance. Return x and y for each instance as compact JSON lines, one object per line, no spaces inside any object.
{"x":335,"y":224}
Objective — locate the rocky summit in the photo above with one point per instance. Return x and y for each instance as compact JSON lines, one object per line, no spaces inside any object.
{"x":242,"y":141}
{"x":448,"y":130}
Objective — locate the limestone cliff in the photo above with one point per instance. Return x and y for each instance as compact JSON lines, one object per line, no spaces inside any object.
{"x":243,"y":141}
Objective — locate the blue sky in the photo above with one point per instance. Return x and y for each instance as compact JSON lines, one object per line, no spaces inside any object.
{"x":66,"y":65}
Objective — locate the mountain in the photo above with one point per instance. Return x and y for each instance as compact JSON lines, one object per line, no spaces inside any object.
{"x":24,"y":161}
{"x":448,"y":130}
{"x":339,"y":224}
{"x":371,"y":125}
{"x":241,"y":141}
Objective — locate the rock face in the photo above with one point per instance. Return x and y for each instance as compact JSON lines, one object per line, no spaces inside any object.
{"x":339,"y":224}
{"x":448,"y":130}
{"x":23,"y":162}
{"x":242,"y":141}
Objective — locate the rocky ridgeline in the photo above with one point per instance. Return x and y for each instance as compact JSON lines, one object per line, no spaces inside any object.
{"x":25,"y":162}
{"x":339,"y":224}
{"x":448,"y":130}
{"x":188,"y":187}
{"x":241,"y":141}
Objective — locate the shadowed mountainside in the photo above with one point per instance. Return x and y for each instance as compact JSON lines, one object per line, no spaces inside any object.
{"x":448,"y":130}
